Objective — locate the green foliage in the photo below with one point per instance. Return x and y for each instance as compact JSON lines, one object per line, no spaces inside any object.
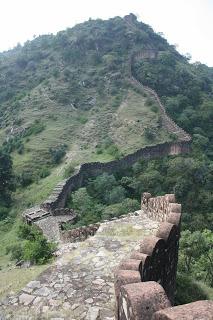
{"x":57,"y":153}
{"x":89,"y":211}
{"x":82,"y":119}
{"x":109,"y":147}
{"x":44,"y":172}
{"x":101,"y":186}
{"x":116,"y":195}
{"x":12,"y":144}
{"x":103,"y":198}
{"x":94,"y":63}
{"x":25,"y":178}
{"x":35,"y":128}
{"x":187,"y":290}
{"x":34,"y":247}
{"x":38,"y":251}
{"x":69,"y":170}
{"x":15,"y":251}
{"x":20,"y":149}
{"x":196,"y":255}
{"x":149,"y":134}
{"x":113,"y":150}
{"x":7,"y":183}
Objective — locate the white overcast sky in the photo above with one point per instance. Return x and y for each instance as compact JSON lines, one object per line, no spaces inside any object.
{"x":187,"y":23}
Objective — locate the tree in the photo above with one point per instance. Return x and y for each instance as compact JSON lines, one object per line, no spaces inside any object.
{"x":101,"y":186}
{"x":7,"y":184}
{"x":116,"y":195}
{"x":196,"y":255}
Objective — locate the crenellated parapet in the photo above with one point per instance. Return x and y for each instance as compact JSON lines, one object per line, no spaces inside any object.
{"x":145,"y":282}
{"x":158,"y":255}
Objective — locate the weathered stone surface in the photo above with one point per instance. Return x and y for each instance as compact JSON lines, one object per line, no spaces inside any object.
{"x":43,"y":291}
{"x":93,"y":313}
{"x":141,"y":300}
{"x":199,"y":310}
{"x":26,"y":299}
{"x":82,"y":276}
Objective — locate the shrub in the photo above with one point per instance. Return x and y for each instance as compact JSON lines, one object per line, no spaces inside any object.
{"x":35,"y":247}
{"x":188,"y":291}
{"x":154,"y":108}
{"x":149,"y":134}
{"x":15,"y":251}
{"x":82,"y":119}
{"x":114,"y":151}
{"x":44,"y":172}
{"x":25,"y":178}
{"x":69,"y":171}
{"x":116,"y":195}
{"x":35,"y":128}
{"x":3,"y":212}
{"x":117,"y":209}
{"x":38,"y":251}
{"x":57,"y":153}
{"x":150,"y":101}
{"x":20,"y":149}
{"x":130,"y":205}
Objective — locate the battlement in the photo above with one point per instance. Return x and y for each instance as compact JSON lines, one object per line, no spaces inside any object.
{"x":145,"y":282}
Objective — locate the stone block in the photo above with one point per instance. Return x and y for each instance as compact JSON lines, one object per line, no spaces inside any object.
{"x":139,"y":301}
{"x":199,"y":310}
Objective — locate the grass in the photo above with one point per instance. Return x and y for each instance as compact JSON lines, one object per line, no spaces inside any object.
{"x":13,"y":280}
{"x":132,"y":118}
{"x":208,"y":290}
{"x":124,"y":125}
{"x":63,"y":124}
{"x":125,"y":231}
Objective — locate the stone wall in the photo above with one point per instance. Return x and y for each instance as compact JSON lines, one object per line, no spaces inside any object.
{"x":89,"y":170}
{"x":145,"y":282}
{"x":167,"y":122}
{"x":79,"y":234}
{"x":148,"y":301}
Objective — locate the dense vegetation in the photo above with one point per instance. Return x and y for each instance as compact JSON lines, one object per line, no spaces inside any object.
{"x":66,"y":99}
{"x":33,"y":247}
{"x":7,"y":184}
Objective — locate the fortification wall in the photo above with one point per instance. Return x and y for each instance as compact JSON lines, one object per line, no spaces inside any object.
{"x":89,"y":170}
{"x":145,"y":282}
{"x":167,"y":122}
{"x":79,"y":234}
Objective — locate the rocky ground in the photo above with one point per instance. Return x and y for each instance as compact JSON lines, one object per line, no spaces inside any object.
{"x":79,"y":285}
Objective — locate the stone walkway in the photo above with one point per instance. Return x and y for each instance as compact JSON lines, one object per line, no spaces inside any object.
{"x":80,"y":283}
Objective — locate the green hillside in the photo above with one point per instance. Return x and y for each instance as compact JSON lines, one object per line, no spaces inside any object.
{"x":67,"y":99}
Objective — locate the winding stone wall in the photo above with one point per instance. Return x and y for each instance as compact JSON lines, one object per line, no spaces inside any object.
{"x":167,"y":122}
{"x":89,"y":170}
{"x":57,"y":200}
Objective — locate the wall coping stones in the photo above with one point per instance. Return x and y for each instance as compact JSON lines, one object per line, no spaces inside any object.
{"x":199,"y":310}
{"x":151,"y":293}
{"x":145,"y":282}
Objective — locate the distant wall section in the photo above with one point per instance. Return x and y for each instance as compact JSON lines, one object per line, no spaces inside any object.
{"x":89,"y":170}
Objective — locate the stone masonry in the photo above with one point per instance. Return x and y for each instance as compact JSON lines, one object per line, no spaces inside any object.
{"x":145,"y":282}
{"x":79,"y":285}
{"x":57,"y":199}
